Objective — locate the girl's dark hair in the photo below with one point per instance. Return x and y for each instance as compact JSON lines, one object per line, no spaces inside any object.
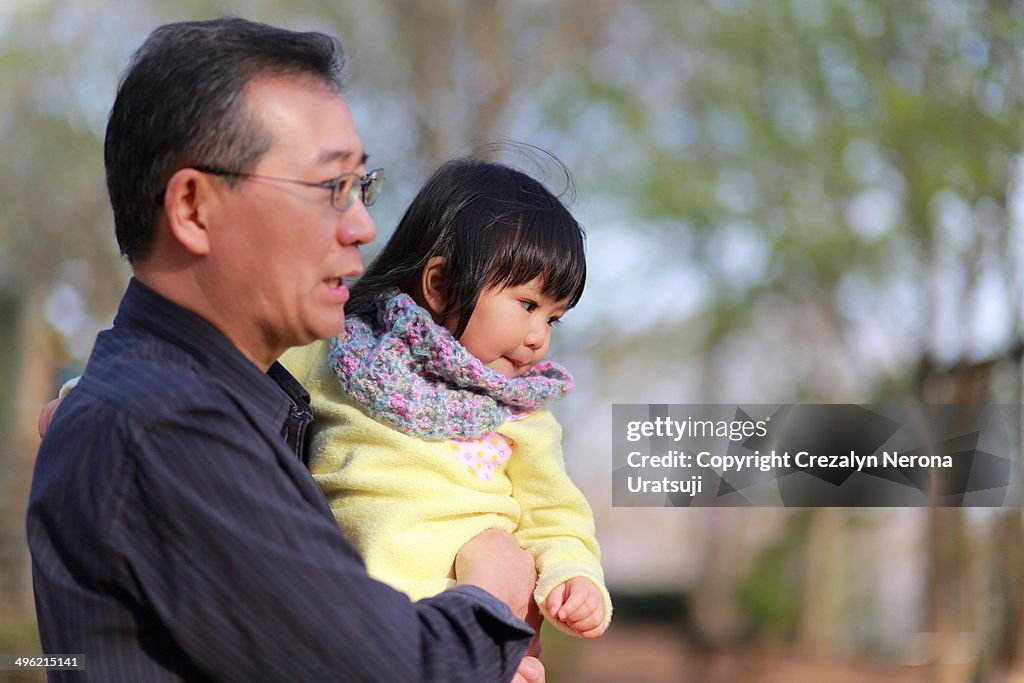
{"x":493,"y":226}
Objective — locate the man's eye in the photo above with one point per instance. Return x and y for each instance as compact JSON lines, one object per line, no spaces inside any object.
{"x":530,"y":306}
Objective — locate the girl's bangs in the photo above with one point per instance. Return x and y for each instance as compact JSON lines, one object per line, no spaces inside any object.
{"x":545,"y":244}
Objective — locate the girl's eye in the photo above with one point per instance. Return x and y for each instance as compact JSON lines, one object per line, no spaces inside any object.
{"x":530,"y":306}
{"x":554,"y":322}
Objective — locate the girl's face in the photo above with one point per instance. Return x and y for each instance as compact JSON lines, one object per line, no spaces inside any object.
{"x":511,"y":327}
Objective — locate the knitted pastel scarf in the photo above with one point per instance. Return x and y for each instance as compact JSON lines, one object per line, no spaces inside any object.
{"x":411,"y":373}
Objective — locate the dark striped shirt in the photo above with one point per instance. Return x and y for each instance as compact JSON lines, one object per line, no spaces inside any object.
{"x":176,"y":534}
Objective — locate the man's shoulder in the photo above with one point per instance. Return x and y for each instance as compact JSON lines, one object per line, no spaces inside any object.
{"x":132,"y":384}
{"x":137,"y":374}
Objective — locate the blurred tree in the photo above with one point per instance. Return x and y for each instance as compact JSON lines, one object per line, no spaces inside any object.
{"x":53,"y":226}
{"x":842,"y":176}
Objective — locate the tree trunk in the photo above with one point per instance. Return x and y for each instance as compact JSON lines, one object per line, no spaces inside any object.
{"x":31,"y":379}
{"x":822,"y":582}
{"x":955,"y":648}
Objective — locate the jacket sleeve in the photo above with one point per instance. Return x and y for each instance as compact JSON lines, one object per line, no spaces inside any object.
{"x":556,"y":526}
{"x":232,"y":546}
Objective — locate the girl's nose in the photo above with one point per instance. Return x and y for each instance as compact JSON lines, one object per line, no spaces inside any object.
{"x":536,"y":337}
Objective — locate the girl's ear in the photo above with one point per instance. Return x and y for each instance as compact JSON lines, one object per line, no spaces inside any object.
{"x":432,"y":284}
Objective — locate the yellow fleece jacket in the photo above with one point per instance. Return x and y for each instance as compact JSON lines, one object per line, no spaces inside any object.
{"x":408,"y":505}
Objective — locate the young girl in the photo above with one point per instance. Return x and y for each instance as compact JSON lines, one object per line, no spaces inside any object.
{"x":430,"y":421}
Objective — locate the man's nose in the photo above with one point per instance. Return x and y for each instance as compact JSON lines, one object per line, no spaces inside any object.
{"x":356,"y":226}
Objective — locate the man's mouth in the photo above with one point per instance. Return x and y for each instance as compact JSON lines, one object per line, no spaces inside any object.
{"x":336,"y":289}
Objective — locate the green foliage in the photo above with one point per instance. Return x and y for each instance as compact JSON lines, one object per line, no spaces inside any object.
{"x":667,"y":607}
{"x":827,"y":131}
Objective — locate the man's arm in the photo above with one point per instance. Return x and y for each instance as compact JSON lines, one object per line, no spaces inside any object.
{"x":487,"y":561}
{"x":254,"y":580}
{"x":494,"y":561}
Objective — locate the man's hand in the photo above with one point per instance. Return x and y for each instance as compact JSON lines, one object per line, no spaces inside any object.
{"x":46,"y":415}
{"x":493,"y":561}
{"x":530,"y":671}
{"x":577,"y":604}
{"x":535,"y":619}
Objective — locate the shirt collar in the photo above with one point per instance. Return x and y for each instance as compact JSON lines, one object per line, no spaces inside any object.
{"x":272,"y":393}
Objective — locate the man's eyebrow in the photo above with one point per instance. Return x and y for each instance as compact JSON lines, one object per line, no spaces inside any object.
{"x":330,"y":155}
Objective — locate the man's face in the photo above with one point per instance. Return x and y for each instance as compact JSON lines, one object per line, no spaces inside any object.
{"x":279,"y":250}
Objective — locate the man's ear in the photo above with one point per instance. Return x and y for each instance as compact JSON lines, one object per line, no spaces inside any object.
{"x":432,"y":284}
{"x":183,"y":205}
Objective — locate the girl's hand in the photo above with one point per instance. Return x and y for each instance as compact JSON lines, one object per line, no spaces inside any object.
{"x":577,"y":603}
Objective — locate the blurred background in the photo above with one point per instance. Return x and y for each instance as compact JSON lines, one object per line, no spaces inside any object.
{"x":786,"y":201}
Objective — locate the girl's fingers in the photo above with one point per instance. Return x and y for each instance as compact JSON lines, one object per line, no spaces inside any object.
{"x":555,"y":600}
{"x":594,"y":632}
{"x":573,"y":601}
{"x":587,"y":618}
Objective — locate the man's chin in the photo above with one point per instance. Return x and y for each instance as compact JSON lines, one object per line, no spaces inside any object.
{"x":335,"y":329}
{"x":321,"y":332}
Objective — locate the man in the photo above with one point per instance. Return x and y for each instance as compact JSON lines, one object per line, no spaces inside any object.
{"x":175,"y":533}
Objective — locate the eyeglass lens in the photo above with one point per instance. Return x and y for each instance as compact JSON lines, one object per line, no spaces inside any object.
{"x":351,"y":187}
{"x":372,"y":186}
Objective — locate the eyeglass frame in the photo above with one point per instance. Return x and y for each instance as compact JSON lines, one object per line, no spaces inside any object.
{"x":334,"y":184}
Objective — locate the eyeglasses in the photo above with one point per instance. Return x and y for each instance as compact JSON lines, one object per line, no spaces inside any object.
{"x":344,"y":189}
